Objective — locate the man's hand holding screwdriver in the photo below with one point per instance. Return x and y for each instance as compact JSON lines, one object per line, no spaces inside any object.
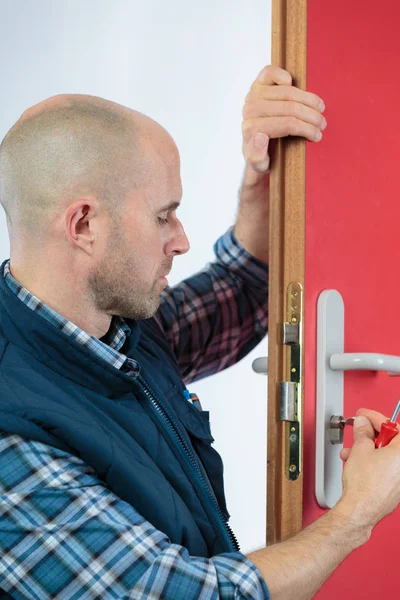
{"x":371,"y":477}
{"x":371,"y":491}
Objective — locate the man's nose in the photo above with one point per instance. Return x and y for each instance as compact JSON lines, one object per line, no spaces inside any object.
{"x":180,"y":243}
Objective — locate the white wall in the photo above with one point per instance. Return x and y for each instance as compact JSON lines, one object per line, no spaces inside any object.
{"x":188,"y":65}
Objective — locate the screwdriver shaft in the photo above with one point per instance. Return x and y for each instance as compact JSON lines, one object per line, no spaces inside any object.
{"x":396,"y":413}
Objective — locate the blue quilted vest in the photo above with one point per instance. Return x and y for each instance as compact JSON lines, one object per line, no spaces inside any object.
{"x":143,"y":438}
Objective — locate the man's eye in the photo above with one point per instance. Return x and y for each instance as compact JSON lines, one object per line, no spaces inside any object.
{"x":162,"y":221}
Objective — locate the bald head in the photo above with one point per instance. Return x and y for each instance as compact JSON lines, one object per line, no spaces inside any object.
{"x":66,"y":146}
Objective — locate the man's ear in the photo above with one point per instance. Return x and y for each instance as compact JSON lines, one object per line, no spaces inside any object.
{"x":79,"y":223}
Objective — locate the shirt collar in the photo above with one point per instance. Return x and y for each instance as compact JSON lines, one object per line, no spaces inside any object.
{"x":106,"y":347}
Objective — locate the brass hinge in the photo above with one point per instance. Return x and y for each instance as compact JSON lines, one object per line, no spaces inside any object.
{"x":291,"y":389}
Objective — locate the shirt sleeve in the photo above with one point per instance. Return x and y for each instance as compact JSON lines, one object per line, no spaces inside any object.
{"x":64,"y":535}
{"x":217,"y":316}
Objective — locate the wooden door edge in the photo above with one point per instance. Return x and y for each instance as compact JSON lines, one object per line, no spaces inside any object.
{"x":287,"y":233}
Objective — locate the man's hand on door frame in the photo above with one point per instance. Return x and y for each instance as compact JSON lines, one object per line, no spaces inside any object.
{"x":274,"y":108}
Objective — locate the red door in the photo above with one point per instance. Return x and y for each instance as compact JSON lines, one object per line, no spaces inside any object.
{"x":352,"y":231}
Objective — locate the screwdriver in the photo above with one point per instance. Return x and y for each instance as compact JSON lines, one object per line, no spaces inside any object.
{"x":388,"y":429}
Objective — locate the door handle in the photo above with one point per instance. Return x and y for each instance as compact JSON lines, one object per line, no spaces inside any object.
{"x":366,"y":361}
{"x":260,"y":365}
{"x":331,"y":364}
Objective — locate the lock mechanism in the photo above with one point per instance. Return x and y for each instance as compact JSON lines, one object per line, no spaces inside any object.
{"x":336,"y":425}
{"x":291,"y":389}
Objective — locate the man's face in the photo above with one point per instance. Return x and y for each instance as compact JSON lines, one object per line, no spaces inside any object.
{"x":142,"y":243}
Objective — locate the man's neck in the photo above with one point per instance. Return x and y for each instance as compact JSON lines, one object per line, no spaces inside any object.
{"x":70,"y":304}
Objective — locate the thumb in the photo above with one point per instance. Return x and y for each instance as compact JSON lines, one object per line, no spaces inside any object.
{"x":256,"y":153}
{"x":363,"y":431}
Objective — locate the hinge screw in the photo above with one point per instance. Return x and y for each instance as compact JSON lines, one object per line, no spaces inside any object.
{"x":292,"y":468}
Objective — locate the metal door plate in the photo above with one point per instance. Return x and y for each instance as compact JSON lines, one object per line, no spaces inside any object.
{"x":330,"y":340}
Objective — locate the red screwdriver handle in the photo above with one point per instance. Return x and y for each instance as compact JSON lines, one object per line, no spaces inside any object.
{"x":388,"y":431}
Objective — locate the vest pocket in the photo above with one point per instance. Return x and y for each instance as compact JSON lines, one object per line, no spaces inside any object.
{"x":197,"y":426}
{"x":213,"y":466}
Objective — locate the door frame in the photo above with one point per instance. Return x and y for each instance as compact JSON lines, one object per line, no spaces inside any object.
{"x":286,"y":260}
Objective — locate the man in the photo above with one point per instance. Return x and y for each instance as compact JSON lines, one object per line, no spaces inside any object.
{"x":109,"y":486}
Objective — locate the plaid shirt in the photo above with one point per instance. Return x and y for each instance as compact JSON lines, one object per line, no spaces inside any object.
{"x":63,"y":534}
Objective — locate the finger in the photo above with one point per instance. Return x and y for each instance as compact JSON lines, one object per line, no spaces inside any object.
{"x":285,"y":92}
{"x":364,"y":435}
{"x":374,"y":416}
{"x":377,"y":419}
{"x":256,"y":153}
{"x":270,"y":75}
{"x":279,"y":108}
{"x":278,"y":127}
{"x":345,"y":453}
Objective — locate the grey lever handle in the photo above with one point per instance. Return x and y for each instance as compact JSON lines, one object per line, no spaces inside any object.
{"x":260,"y":365}
{"x":366,"y":361}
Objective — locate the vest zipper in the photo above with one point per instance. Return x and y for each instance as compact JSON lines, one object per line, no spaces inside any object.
{"x":166,"y":417}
